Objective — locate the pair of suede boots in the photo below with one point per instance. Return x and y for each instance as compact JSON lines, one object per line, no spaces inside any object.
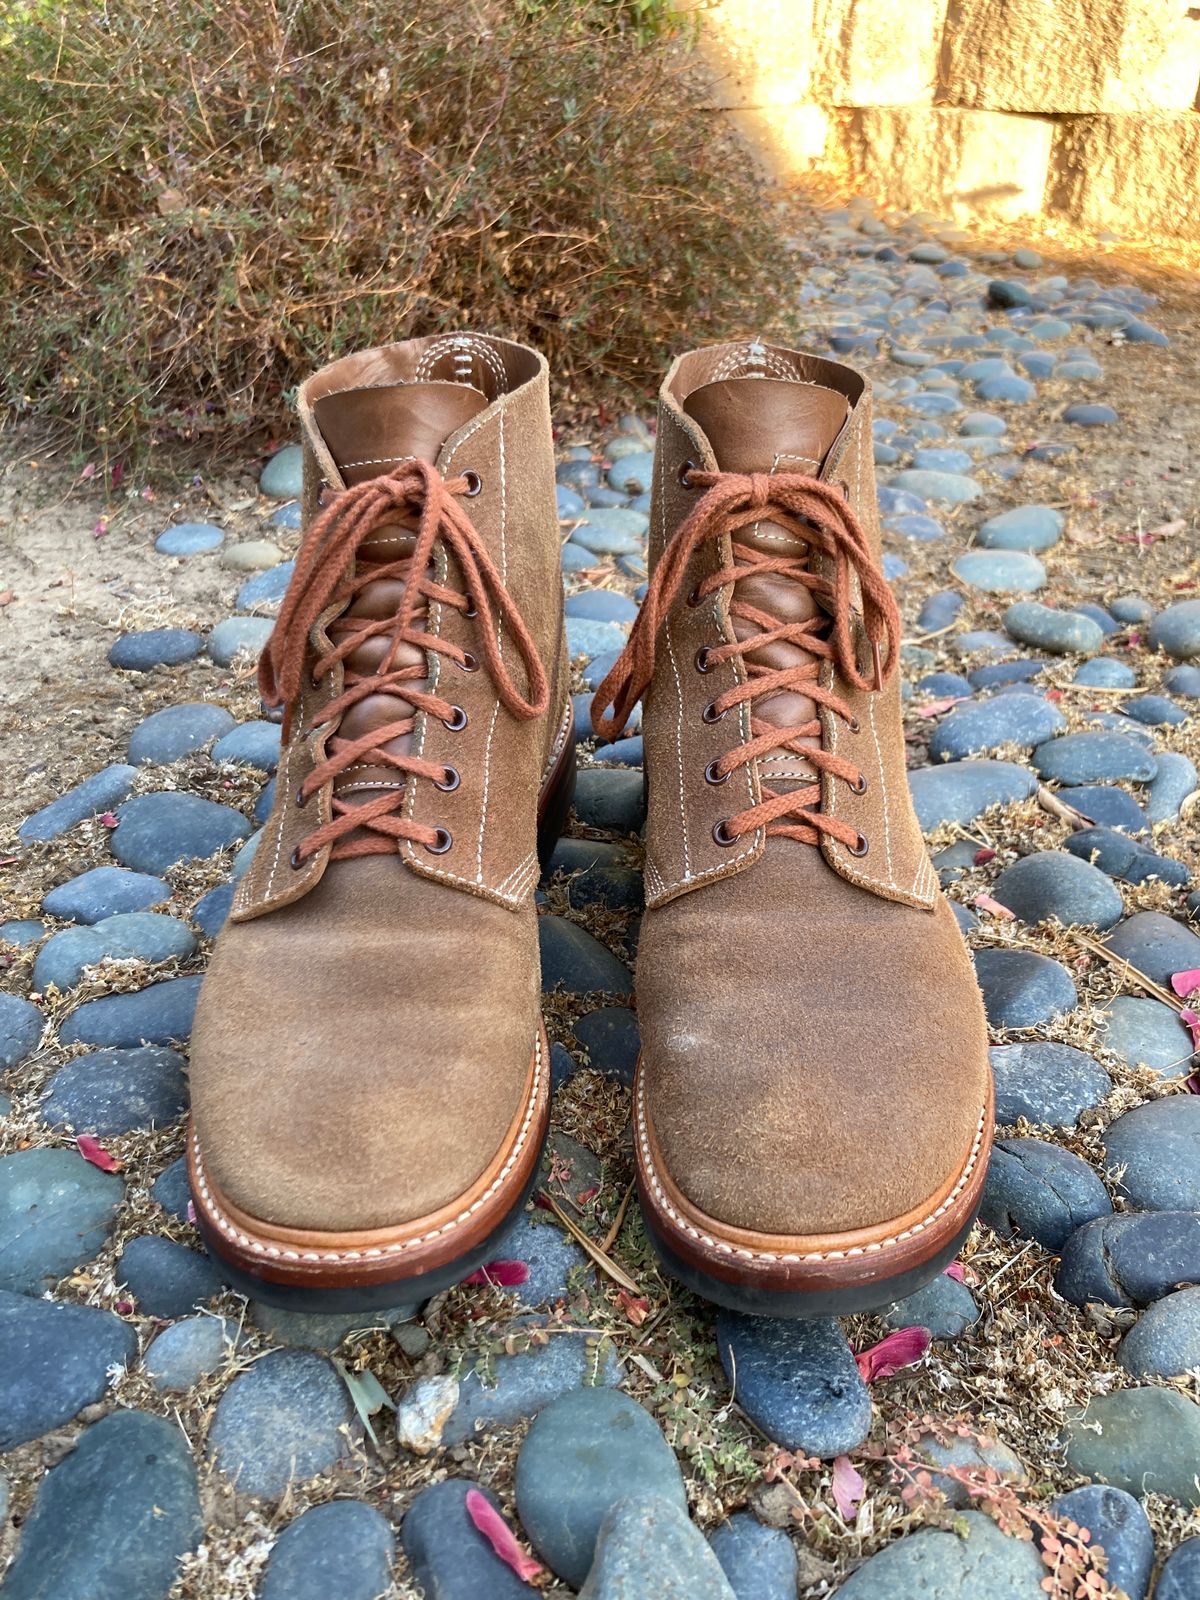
{"x":370,"y":1072}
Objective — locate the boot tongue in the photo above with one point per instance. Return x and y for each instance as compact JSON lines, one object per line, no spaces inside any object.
{"x":369,"y":432}
{"x":757,"y":424}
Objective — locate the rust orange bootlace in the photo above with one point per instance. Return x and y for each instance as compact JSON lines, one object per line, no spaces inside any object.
{"x":326,"y":555}
{"x":818,"y":514}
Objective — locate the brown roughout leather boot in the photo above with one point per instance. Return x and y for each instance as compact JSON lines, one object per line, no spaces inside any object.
{"x":370,"y":1075}
{"x":812,"y":1110}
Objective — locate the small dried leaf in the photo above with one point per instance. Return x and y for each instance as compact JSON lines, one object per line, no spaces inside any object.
{"x":92,"y":1150}
{"x":904,"y":1348}
{"x":957,"y":1271}
{"x":848,"y":1488}
{"x":504,"y":1274}
{"x":500,"y":1536}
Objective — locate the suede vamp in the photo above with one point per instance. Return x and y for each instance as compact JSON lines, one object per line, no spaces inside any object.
{"x":814,"y":1056}
{"x":359,"y":1055}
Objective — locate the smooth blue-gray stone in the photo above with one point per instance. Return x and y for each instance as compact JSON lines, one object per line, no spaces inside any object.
{"x":1145,"y":1440}
{"x":570,"y":503}
{"x":1061,"y":632}
{"x":54,"y":1360}
{"x":171,"y":1189}
{"x":111,"y":1091}
{"x":262,"y":806}
{"x":1145,"y":1032}
{"x":165,"y":1278}
{"x":100,"y":792}
{"x":1007,"y":292}
{"x":996,"y":674}
{"x":189,"y":539}
{"x":916,"y":525}
{"x":1173,"y":781}
{"x":959,"y":791}
{"x":586,"y":637}
{"x":1048,"y":1084}
{"x":1078,"y":758}
{"x":1022,"y":989}
{"x":944,"y":1306}
{"x":895,"y":502}
{"x":1165,"y":1340}
{"x":141,"y":935}
{"x":1007,"y":387}
{"x":610,"y":799}
{"x":1037,"y":363}
{"x":157,"y":831}
{"x":154,"y":647}
{"x":1132,"y":1258}
{"x":1158,"y":1144}
{"x":964,"y":916}
{"x":238,"y":636}
{"x":1131,"y":609}
{"x":610,"y":1038}
{"x":114,"y":1518}
{"x":573,"y":558}
{"x":159,"y":1014}
{"x":981,"y":726}
{"x":21,"y":1026}
{"x":286,"y":516}
{"x":1105,"y":672}
{"x":251,"y":744}
{"x":282,"y":477}
{"x":1090,"y":416}
{"x":1180,"y":1575}
{"x":1184,"y":680}
{"x":939,"y":610}
{"x":285,"y":1419}
{"x":632,"y":474}
{"x":1138,"y":332}
{"x":448,"y":1555}
{"x":342,"y":1549}
{"x":104,"y":892}
{"x":265,"y":588}
{"x":945,"y":488}
{"x":600,"y":605}
{"x":796,"y":1379}
{"x":982,"y":425}
{"x":168,"y":735}
{"x":945,"y":685}
{"x":629,"y":752}
{"x":1040,"y":1191}
{"x":1107,"y":624}
{"x":1122,"y":857}
{"x":549,"y":1253}
{"x":1114,"y":722}
{"x":244,"y":857}
{"x":1155,"y":710}
{"x":523,"y":1384}
{"x":1109,"y":807}
{"x":1120,"y":1527}
{"x":189,"y":1350}
{"x":1023,"y":528}
{"x":759,"y":1562}
{"x":614,"y":530}
{"x":1000,"y":571}
{"x":22,"y":931}
{"x":1156,"y":945}
{"x":573,"y":960}
{"x":55,"y":1212}
{"x":211,"y":910}
{"x":647,"y":1545}
{"x":585,"y":1452}
{"x":976,"y":1562}
{"x":1061,"y":886}
{"x":941,"y":458}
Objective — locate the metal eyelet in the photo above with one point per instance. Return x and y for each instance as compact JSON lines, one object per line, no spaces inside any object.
{"x":694,"y":597}
{"x":711,"y":714}
{"x":703,"y":664}
{"x":474,"y":484}
{"x":722,"y":835}
{"x":442,"y":842}
{"x":470,"y":613}
{"x":456,"y":721}
{"x":296,"y":860}
{"x":860,"y":846}
{"x":713,"y":774}
{"x":685,"y":473}
{"x":469,"y":663}
{"x":301,"y":798}
{"x":854,"y":725}
{"x":859,"y":786}
{"x":449,"y":781}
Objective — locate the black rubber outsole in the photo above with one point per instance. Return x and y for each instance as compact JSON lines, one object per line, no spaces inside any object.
{"x":395,"y":1294}
{"x":808,"y":1303}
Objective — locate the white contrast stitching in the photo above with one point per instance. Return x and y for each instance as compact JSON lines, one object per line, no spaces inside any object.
{"x":794,"y":1256}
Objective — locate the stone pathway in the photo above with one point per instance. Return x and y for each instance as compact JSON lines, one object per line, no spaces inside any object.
{"x":1039,"y":506}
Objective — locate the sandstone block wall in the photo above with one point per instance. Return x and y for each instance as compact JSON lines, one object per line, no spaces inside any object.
{"x":1083,"y":108}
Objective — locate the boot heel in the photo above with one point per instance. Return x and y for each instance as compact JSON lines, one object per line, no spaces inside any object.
{"x":557,"y":799}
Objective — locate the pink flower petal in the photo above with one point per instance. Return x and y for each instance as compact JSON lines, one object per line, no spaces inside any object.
{"x":92,"y":1150}
{"x":1186,"y":983}
{"x":505,"y":1274}
{"x":935,"y":708}
{"x":957,"y":1271}
{"x":985,"y":902}
{"x":848,"y":1488}
{"x":500,"y":1536}
{"x":904,"y":1348}
{"x":1191,"y":1021}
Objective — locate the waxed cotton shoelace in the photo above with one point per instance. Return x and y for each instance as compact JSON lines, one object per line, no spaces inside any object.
{"x":818,"y":514}
{"x":328,"y":552}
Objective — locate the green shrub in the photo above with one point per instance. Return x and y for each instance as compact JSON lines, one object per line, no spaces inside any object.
{"x":205,"y":198}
